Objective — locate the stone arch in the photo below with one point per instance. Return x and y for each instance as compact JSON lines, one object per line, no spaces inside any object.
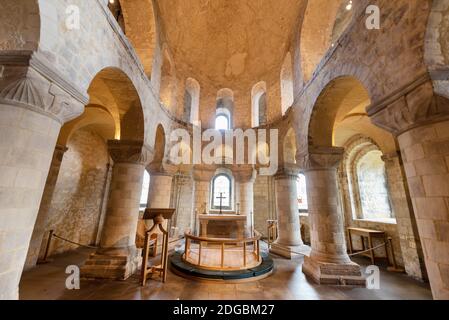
{"x":354,"y":148}
{"x":159,"y":146}
{"x":316,"y":33}
{"x":437,"y":45}
{"x":141,"y":29}
{"x":95,"y":117}
{"x":20,"y":25}
{"x":336,"y":100}
{"x":113,"y":89}
{"x":259,"y":104}
{"x":167,"y":92}
{"x":192,"y":101}
{"x":289,"y":147}
{"x":287,"y":91}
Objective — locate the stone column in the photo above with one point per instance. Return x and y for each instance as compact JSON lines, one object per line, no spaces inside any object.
{"x":289,"y":243}
{"x":328,"y":262}
{"x":420,"y":121}
{"x":402,"y":207}
{"x":31,"y":114}
{"x":202,"y":177}
{"x":44,"y":211}
{"x":159,"y":194}
{"x":245,"y":179}
{"x":118,"y":258}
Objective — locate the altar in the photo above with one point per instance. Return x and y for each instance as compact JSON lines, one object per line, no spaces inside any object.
{"x":223,"y":226}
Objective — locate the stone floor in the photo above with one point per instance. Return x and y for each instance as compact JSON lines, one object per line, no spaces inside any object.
{"x":286,"y":283}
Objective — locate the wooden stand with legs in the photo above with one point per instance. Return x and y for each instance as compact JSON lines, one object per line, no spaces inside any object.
{"x":159,"y":216}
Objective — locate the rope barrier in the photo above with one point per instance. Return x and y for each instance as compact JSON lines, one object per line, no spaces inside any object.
{"x":73,"y":242}
{"x":368,"y":250}
{"x":351,"y":255}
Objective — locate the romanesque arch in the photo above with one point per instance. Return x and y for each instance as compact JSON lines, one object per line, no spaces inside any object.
{"x":159,"y":145}
{"x":259,"y":104}
{"x":112,"y":89}
{"x":342,"y":96}
{"x":192,"y":101}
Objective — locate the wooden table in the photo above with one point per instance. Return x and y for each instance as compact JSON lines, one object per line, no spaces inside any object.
{"x":370,"y":235}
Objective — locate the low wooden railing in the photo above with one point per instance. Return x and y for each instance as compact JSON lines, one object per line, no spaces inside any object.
{"x":220,"y":244}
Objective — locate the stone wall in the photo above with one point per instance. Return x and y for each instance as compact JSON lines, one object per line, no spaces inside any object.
{"x":19,"y":25}
{"x":425,"y":151}
{"x":76,"y":204}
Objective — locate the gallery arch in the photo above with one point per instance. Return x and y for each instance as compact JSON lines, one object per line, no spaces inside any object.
{"x":259,"y":104}
{"x":191,"y":101}
{"x":224,"y":110}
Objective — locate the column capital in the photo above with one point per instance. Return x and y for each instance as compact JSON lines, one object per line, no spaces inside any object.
{"x":203,"y":172}
{"x":288,"y":171}
{"x":30,"y":82}
{"x":130,"y":151}
{"x":414,"y":105}
{"x":162,"y":169}
{"x":244,"y":173}
{"x":321,"y":158}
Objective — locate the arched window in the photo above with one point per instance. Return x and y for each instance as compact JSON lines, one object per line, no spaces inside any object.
{"x":145,"y":190}
{"x":191,"y":101}
{"x":224,"y":110}
{"x":222,"y":192}
{"x":222,"y":122}
{"x":372,"y":185}
{"x":259,"y":104}
{"x":302,"y":193}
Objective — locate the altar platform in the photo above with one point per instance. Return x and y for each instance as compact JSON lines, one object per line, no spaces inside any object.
{"x":222,"y":259}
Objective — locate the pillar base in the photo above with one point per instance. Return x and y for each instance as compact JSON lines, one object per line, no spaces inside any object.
{"x":289,"y":252}
{"x":113,"y":265}
{"x":348,"y":274}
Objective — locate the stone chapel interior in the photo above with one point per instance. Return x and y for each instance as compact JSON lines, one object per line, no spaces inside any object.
{"x":93,"y":92}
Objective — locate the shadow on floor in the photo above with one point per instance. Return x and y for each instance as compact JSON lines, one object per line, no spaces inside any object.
{"x":47,"y":282}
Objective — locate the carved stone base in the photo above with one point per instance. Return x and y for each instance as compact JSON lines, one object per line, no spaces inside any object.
{"x":289,"y":252}
{"x":334,"y":274}
{"x":112,"y":265}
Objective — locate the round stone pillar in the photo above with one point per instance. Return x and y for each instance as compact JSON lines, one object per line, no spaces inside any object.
{"x":118,"y":258}
{"x":160,"y":190}
{"x":419,"y":119}
{"x":289,"y":243}
{"x":328,"y":262}
{"x":40,"y":226}
{"x":202,"y":176}
{"x":32,"y":111}
{"x":245,"y":178}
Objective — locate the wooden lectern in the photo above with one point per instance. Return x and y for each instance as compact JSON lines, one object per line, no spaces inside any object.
{"x":159,"y":216}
